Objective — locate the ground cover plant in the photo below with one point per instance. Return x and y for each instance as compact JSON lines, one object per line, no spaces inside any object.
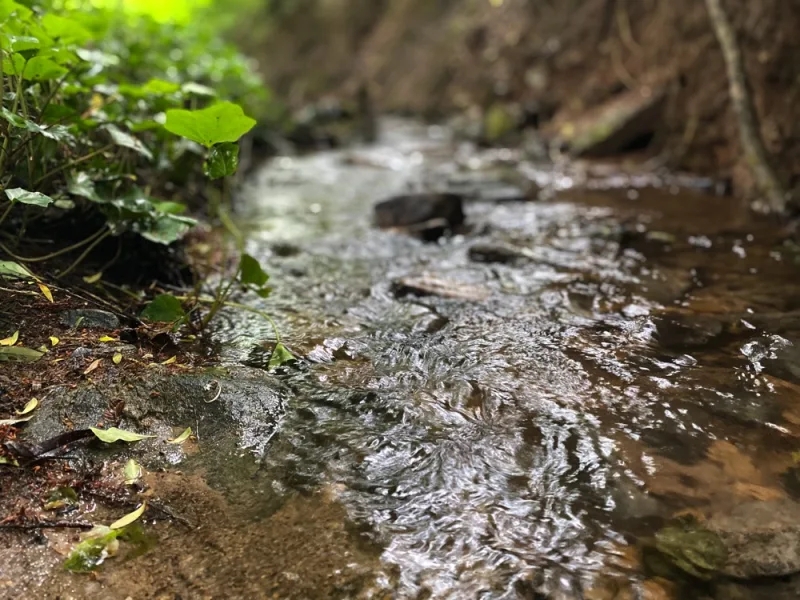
{"x":114,"y":126}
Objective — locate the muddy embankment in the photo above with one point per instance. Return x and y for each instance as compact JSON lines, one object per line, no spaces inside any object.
{"x":549,"y":64}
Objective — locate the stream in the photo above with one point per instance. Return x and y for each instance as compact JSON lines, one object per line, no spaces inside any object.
{"x":522,"y":433}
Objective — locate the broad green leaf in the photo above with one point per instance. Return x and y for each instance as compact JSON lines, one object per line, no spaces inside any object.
{"x":222,"y":161}
{"x":251,"y":273}
{"x":182,"y":437}
{"x":160,"y":87}
{"x":111,"y":435}
{"x":132,"y":472}
{"x":19,"y":354}
{"x":10,"y":8}
{"x":41,"y":68}
{"x":222,"y":122}
{"x":65,"y":30}
{"x":12,"y":270}
{"x":20,"y":43}
{"x":26,"y":197}
{"x":57,"y":133}
{"x":10,"y":341}
{"x":83,"y":186}
{"x":99,"y":544}
{"x":164,"y":308}
{"x":14,"y":64}
{"x":126,"y":140}
{"x":129,"y":518}
{"x":166,"y":229}
{"x":280,"y":355}
{"x":96,"y":57}
{"x":29,"y":407}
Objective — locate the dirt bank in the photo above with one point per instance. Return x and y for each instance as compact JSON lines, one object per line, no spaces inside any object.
{"x":552,"y":59}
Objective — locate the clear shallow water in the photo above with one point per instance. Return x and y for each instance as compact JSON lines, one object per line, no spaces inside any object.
{"x":639,"y":364}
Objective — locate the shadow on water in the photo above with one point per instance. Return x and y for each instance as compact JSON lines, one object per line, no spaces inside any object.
{"x":636,"y":363}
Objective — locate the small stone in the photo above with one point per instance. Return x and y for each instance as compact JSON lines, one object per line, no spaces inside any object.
{"x":90,"y":318}
{"x":427,"y":215}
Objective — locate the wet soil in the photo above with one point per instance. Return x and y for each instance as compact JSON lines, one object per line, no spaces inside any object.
{"x":523,"y":440}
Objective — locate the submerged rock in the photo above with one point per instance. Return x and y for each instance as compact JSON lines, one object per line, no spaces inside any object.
{"x":762,"y":539}
{"x":428,"y":215}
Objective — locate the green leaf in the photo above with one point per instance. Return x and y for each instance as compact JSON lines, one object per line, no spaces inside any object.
{"x":164,"y":308}
{"x":19,"y":354}
{"x":129,"y":518}
{"x":111,"y":435}
{"x":12,"y":270}
{"x":65,"y":30}
{"x":58,"y":133}
{"x":91,"y":552}
{"x":251,"y":273}
{"x":182,"y":437}
{"x":10,"y":8}
{"x":166,"y":228}
{"x":132,"y":472}
{"x":83,"y":186}
{"x":126,"y":140}
{"x":61,"y":497}
{"x":26,"y":197}
{"x":222,"y":161}
{"x":20,"y":43}
{"x":222,"y":122}
{"x":40,"y":68}
{"x":170,"y":208}
{"x":280,"y":356}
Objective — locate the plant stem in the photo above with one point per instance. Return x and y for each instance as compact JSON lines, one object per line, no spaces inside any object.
{"x":70,"y":164}
{"x":84,"y":254}
{"x":5,"y":212}
{"x":52,"y":254}
{"x":244,"y":307}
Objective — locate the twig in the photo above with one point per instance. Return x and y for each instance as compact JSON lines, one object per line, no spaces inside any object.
{"x":47,"y":525}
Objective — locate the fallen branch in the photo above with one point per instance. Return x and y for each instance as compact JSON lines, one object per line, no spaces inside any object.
{"x":774,"y":196}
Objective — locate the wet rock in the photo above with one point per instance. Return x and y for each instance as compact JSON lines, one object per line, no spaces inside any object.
{"x":684,"y":332}
{"x":245,"y":400}
{"x":614,"y":127}
{"x":427,"y":215}
{"x":762,"y":539}
{"x":90,"y":318}
{"x":434,"y":286}
{"x":498,"y":253}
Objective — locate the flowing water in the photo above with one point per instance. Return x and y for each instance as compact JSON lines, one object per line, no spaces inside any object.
{"x":525,"y":436}
{"x":517,"y":438}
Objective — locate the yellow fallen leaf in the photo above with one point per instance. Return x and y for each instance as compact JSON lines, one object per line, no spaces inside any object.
{"x":94,"y":278}
{"x":43,"y":349}
{"x":117,"y":358}
{"x":169,"y":361}
{"x":54,"y":340}
{"x":32,"y":403}
{"x":182,"y":437}
{"x":46,"y":291}
{"x":93,"y":366}
{"x":10,"y":341}
{"x":130,"y":517}
{"x":107,"y":338}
